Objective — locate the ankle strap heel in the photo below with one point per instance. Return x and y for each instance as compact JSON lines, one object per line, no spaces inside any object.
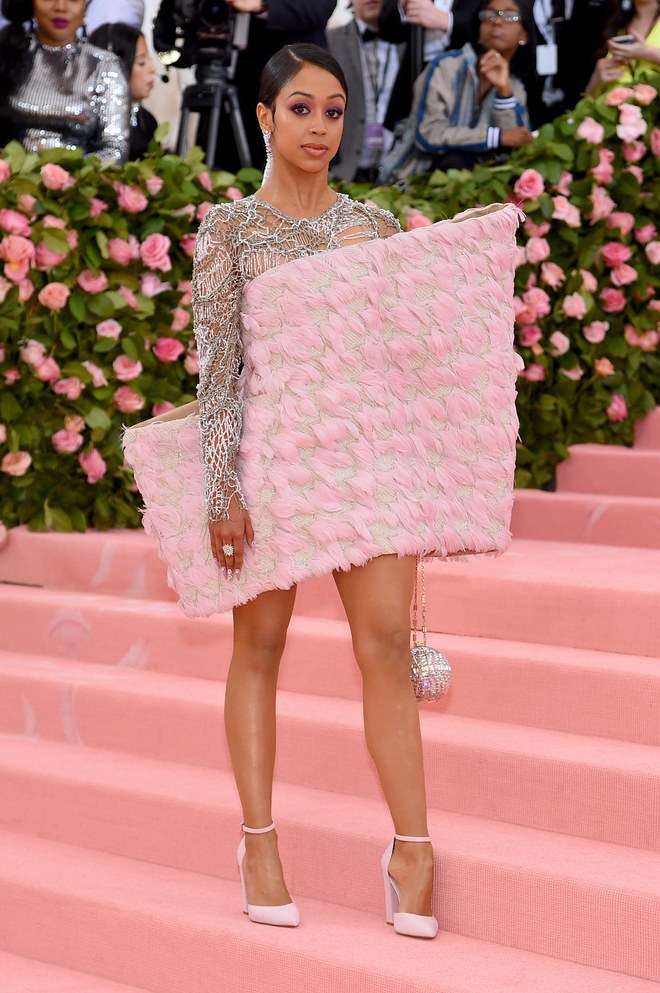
{"x":415,"y":925}
{"x":406,"y":837}
{"x":264,"y":830}
{"x":284,"y":915}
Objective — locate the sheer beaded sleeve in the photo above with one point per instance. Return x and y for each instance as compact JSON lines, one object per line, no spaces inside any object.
{"x":216,"y":288}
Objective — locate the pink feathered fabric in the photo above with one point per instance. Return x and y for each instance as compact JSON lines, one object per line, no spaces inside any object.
{"x":379,"y":390}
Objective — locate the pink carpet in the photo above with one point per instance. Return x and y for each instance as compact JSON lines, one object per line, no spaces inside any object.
{"x":119,"y":819}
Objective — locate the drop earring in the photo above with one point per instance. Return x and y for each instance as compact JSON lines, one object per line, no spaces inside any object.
{"x":269,"y":155}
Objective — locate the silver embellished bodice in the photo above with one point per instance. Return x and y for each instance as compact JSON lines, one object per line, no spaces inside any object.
{"x":76,"y":96}
{"x":235,"y":243}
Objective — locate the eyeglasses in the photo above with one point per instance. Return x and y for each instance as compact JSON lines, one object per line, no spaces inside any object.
{"x":489,"y":16}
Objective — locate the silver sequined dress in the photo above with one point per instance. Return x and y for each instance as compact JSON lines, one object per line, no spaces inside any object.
{"x":76,"y":96}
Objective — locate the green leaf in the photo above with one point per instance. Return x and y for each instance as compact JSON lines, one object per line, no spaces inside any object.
{"x":67,"y":338}
{"x":56,"y":519}
{"x":9,"y":407}
{"x":77,"y":307}
{"x":55,"y":240}
{"x":129,"y":349}
{"x":98,"y":418}
{"x":102,"y":242}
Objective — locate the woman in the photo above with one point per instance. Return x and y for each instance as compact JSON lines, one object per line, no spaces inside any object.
{"x":57,"y":90}
{"x":638,"y":21}
{"x":139,"y":70}
{"x":471,"y":104}
{"x":296,"y":214}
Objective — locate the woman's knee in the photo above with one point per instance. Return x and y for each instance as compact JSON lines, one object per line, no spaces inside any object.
{"x":259,"y":649}
{"x":387,"y":648}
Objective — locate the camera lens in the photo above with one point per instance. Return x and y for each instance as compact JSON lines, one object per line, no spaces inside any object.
{"x":213,"y":14}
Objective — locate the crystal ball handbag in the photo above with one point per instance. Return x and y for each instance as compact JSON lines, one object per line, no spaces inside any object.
{"x":430,"y":672}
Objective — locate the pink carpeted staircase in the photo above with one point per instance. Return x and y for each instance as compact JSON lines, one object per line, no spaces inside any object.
{"x":119,"y":818}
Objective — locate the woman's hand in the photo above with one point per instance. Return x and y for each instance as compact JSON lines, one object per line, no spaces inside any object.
{"x":425,"y":14}
{"x":232,"y":532}
{"x":605,"y":72}
{"x":624,"y":54}
{"x":516,"y":137}
{"x":494,"y":68}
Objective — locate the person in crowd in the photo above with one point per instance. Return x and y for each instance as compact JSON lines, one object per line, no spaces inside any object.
{"x":567,"y":50}
{"x":470,"y":105}
{"x":56,"y":89}
{"x":296,"y":214}
{"x":631,"y":43}
{"x":372,"y":69}
{"x":129,"y":44}
{"x":100,"y":12}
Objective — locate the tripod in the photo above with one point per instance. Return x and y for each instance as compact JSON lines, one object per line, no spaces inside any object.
{"x":210,"y":95}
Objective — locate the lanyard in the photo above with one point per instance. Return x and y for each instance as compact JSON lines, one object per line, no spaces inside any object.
{"x":377,"y":86}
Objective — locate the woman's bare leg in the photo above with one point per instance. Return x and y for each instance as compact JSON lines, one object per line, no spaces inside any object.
{"x":259,"y":637}
{"x":377,"y":599}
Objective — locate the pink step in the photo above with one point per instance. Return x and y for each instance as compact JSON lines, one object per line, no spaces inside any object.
{"x":473,"y":767}
{"x":610,"y":469}
{"x":24,"y":975}
{"x":587,"y":517}
{"x":178,"y":932}
{"x":647,"y":431}
{"x":499,"y":883}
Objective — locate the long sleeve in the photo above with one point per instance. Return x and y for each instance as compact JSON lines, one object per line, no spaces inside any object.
{"x":113,"y":103}
{"x":216,"y":288}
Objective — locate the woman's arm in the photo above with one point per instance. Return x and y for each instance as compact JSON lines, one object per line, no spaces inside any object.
{"x":113,"y":105}
{"x":216,"y":289}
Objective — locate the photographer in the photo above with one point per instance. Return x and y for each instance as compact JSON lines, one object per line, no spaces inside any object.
{"x":272,"y":25}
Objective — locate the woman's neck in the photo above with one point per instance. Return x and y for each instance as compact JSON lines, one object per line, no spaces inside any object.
{"x":52,"y":43}
{"x":299,"y":194}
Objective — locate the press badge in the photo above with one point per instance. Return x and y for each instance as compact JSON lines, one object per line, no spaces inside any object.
{"x":375,"y":137}
{"x":546,"y":60}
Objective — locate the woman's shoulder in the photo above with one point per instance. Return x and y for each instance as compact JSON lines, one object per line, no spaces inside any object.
{"x":105,"y":61}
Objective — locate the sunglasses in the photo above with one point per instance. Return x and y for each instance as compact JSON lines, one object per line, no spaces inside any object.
{"x":490,"y":16}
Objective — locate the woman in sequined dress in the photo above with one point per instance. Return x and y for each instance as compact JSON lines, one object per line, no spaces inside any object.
{"x":57,"y":90}
{"x":296,"y":214}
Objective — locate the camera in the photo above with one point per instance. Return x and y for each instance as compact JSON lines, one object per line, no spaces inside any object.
{"x":187,"y":32}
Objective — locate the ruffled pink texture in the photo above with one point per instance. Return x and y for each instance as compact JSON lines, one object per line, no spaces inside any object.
{"x":379,"y":417}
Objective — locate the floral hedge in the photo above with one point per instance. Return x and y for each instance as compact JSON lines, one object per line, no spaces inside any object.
{"x":95,"y":319}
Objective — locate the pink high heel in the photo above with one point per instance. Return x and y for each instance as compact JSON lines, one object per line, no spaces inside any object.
{"x":415,"y":925}
{"x":285,"y":915}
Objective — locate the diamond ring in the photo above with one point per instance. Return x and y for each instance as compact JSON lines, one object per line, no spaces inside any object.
{"x":228,"y":550}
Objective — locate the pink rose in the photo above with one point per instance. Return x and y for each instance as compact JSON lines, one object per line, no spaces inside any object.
{"x":552,"y":274}
{"x":168,"y":349}
{"x":96,"y":207}
{"x":127,"y":400}
{"x":187,"y":211}
{"x":5,"y":287}
{"x":538,"y":300}
{"x":3,"y":433}
{"x":93,"y":465}
{"x":109,"y":329}
{"x":67,"y":442}
{"x":180,"y":319}
{"x":635,"y":171}
{"x":161,"y":408}
{"x":529,"y":185}
{"x":655,"y":141}
{"x":564,"y":185}
{"x":54,"y":177}
{"x":653,"y":252}
{"x":71,"y":387}
{"x":72,"y":239}
{"x":16,"y":463}
{"x":566,"y":212}
{"x":622,"y":220}
{"x":529,"y":335}
{"x":232,"y":193}
{"x":126,"y":369}
{"x":615,"y":252}
{"x":623,"y":275}
{"x":17,"y":253}
{"x":131,"y":199}
{"x":26,"y":202}
{"x":206,"y":181}
{"x":560,"y":343}
{"x":589,"y":281}
{"x":14,"y":223}
{"x":647,"y":341}
{"x":184,"y":288}
{"x":645,"y":93}
{"x":534,"y":373}
{"x":596,"y":331}
{"x":98,"y":377}
{"x":591,"y":131}
{"x":46,"y":259}
{"x":11,"y":376}
{"x":633,"y":151}
{"x":603,"y":205}
{"x":25,"y":290}
{"x":575,"y":373}
{"x":5,"y":171}
{"x":416,"y":219}
{"x":33,"y":352}
{"x":47,"y":370}
{"x":154,"y":185}
{"x":90,"y":283}
{"x":617,"y":96}
{"x":631,"y":123}
{"x":188,"y":244}
{"x":74,"y":422}
{"x":604,"y":367}
{"x":536,"y":230}
{"x":128,"y":296}
{"x":51,"y":221}
{"x":151,"y":285}
{"x":54,"y":296}
{"x":613,"y":300}
{"x":154,"y":252}
{"x":537,"y":250}
{"x":646,"y":233}
{"x":203,"y":209}
{"x":604,"y":171}
{"x":574,"y":306}
{"x":617,"y":409}
{"x":191,"y":363}
{"x":123,"y":251}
